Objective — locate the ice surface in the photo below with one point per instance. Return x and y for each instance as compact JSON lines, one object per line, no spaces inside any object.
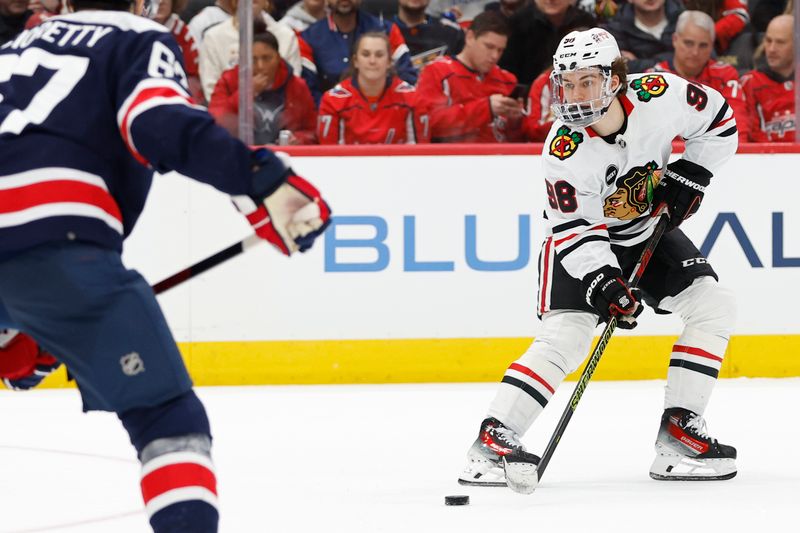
{"x":382,"y":458}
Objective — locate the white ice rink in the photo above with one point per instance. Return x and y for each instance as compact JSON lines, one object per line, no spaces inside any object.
{"x":382,"y":458}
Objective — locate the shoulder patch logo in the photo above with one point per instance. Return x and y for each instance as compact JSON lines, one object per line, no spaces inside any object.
{"x":565,"y":143}
{"x":634,"y":193}
{"x":649,"y":87}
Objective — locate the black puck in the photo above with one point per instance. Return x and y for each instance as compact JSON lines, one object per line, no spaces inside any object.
{"x":456,"y":500}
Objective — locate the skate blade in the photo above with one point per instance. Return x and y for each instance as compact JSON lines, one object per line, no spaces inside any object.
{"x":522,"y":476}
{"x":668,"y":467}
{"x":660,"y":477}
{"x":471,"y":483}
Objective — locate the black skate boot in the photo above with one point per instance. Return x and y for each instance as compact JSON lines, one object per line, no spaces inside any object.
{"x":484,"y":465}
{"x":685,"y":452}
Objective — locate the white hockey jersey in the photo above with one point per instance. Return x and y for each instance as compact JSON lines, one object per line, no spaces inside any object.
{"x":599,"y":189}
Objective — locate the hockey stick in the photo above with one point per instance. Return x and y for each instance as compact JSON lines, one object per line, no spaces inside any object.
{"x":524,"y":473}
{"x":206,"y":264}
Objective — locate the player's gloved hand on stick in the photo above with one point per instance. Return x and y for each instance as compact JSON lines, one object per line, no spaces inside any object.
{"x":609,"y":295}
{"x":23,"y":364}
{"x":288,"y":212}
{"x":681,"y":190}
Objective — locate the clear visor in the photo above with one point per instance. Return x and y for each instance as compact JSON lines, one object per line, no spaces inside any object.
{"x":581,"y":97}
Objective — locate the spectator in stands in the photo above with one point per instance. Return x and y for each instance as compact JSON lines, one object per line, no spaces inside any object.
{"x":461,"y":11}
{"x":427,"y":37}
{"x":535,"y":32}
{"x":730,"y":16}
{"x":371,"y":105}
{"x":326,"y":45}
{"x":220,"y":49}
{"x":281,"y":100}
{"x":468,"y":96}
{"x":694,"y":41}
{"x":208,"y":17}
{"x":769,"y":91}
{"x":42,"y":10}
{"x":303,"y":14}
{"x":643,"y":29}
{"x":13,"y":16}
{"x":506,"y":8}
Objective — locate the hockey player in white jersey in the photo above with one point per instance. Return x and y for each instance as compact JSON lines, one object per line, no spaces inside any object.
{"x":607,"y":172}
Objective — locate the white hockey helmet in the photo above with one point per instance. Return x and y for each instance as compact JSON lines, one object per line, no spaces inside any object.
{"x":581,"y":101}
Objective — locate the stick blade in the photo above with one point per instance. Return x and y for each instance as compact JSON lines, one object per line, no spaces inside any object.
{"x":522,"y":471}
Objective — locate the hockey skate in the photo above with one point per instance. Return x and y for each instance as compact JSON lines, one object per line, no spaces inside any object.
{"x":484,"y":459}
{"x":685,"y":452}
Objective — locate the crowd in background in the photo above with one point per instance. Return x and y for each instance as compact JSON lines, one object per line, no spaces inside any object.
{"x":416,"y":71}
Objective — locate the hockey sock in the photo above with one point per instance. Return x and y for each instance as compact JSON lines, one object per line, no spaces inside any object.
{"x":178,"y":483}
{"x":693,"y":369}
{"x":527,"y":386}
{"x":531,"y":380}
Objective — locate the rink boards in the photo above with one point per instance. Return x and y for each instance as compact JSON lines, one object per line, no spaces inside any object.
{"x":430,"y":273}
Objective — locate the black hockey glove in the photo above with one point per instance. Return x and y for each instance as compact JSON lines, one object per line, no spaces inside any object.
{"x":681,"y":190}
{"x":610,"y":296}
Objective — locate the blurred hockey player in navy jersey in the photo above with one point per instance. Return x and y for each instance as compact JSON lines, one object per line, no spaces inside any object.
{"x":91,"y":104}
{"x":606,"y":173}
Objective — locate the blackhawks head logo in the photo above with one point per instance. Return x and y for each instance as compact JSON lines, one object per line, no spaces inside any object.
{"x":634,"y":193}
{"x":649,"y":87}
{"x":565,"y":143}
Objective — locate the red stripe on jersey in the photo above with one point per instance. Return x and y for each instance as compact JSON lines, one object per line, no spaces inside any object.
{"x":568,"y":237}
{"x":58,"y":191}
{"x":723,"y":122}
{"x":141,"y":98}
{"x":176,"y":476}
{"x":695,"y":351}
{"x":528,"y":372}
{"x":545,"y":274}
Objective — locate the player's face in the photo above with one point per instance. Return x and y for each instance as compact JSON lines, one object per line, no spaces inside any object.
{"x":344,"y":7}
{"x":265,"y":60}
{"x":693,"y":47}
{"x":13,"y":8}
{"x":582,"y":85}
{"x":778,"y":45}
{"x":372,"y":59}
{"x":484,"y":52}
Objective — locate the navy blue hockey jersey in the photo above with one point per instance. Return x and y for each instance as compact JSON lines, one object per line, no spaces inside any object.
{"x":90,"y":104}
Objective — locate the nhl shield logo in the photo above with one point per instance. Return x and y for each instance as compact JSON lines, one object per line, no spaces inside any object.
{"x":649,"y":87}
{"x":565,"y":143}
